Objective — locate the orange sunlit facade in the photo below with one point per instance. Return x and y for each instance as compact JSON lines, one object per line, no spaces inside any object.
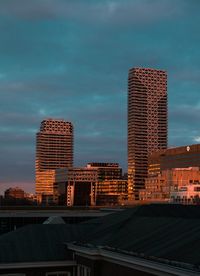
{"x":96,"y":184}
{"x":173,"y":170}
{"x":111,"y":192}
{"x":54,"y":149}
{"x":147,"y":123}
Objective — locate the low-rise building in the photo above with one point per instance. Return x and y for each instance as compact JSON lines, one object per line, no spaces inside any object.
{"x":111,"y":192}
{"x":160,"y":187}
{"x":75,"y":186}
{"x":169,"y":169}
{"x":188,"y":194}
{"x":14,"y":193}
{"x":95,"y":184}
{"x":106,"y":171}
{"x":171,"y":158}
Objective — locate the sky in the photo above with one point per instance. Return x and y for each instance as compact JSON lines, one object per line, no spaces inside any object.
{"x":69,"y":59}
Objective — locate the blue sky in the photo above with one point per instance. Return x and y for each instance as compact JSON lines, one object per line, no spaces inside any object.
{"x":70,"y":59}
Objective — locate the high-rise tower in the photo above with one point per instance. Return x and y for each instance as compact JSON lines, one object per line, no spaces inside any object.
{"x":54,"y":149}
{"x":147,"y":122}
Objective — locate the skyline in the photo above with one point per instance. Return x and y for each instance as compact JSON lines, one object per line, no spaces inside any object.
{"x":71,"y":60}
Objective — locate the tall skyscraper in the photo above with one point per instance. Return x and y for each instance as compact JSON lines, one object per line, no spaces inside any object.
{"x":54,"y":149}
{"x":147,"y":122}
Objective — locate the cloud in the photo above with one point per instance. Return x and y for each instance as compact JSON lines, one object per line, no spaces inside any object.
{"x":184,"y":125}
{"x":188,"y":75}
{"x":113,"y":11}
{"x":197,"y":139}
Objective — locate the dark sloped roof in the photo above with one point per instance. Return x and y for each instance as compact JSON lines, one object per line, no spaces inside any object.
{"x":38,"y":242}
{"x":165,"y":231}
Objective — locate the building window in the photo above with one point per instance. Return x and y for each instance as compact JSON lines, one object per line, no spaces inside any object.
{"x":83,"y":270}
{"x":58,"y":273}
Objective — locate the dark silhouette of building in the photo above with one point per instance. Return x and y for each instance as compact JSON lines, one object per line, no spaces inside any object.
{"x":147,"y":122}
{"x":14,"y":193}
{"x":54,"y":149}
{"x":16,"y":196}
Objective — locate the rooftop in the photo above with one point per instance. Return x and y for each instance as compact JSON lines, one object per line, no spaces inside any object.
{"x":169,"y":232}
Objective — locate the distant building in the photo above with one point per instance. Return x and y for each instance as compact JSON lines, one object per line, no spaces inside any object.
{"x":125,"y":176}
{"x":106,"y":171}
{"x":54,"y":149}
{"x":177,"y":157}
{"x":14,"y":193}
{"x":60,"y":187}
{"x":147,"y":122}
{"x":95,"y":184}
{"x":188,"y":194}
{"x":76,"y":186}
{"x":111,"y":192}
{"x":161,"y":186}
{"x":171,"y":169}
